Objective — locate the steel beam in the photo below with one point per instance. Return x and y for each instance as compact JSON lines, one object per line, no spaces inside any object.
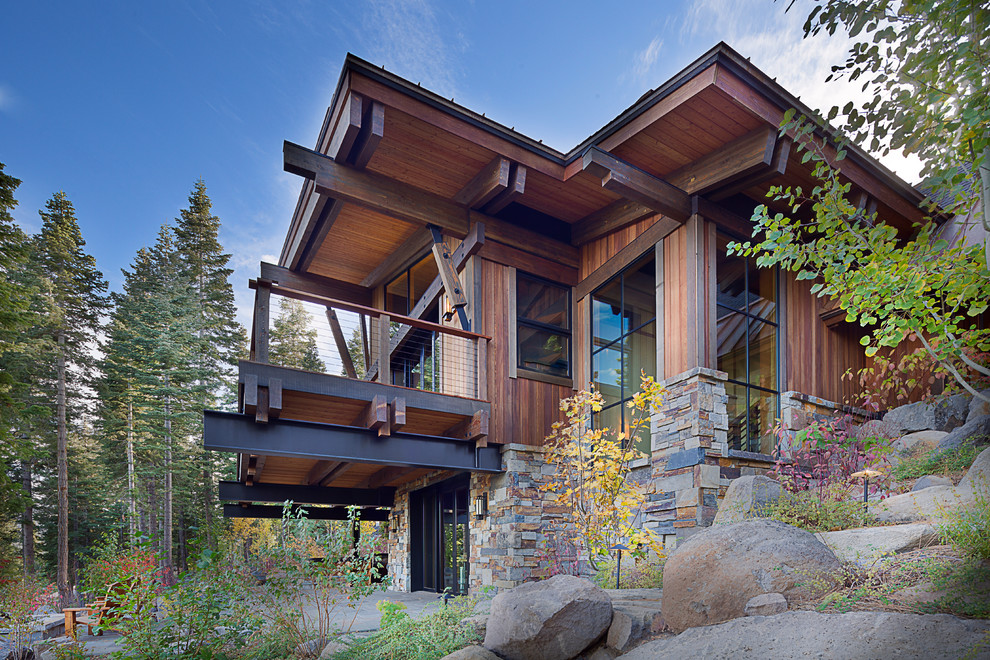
{"x":234,"y":432}
{"x":232,"y":491}
{"x":313,"y":513}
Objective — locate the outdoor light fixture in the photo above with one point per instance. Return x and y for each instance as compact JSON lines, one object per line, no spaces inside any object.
{"x":865,"y":475}
{"x":481,"y":506}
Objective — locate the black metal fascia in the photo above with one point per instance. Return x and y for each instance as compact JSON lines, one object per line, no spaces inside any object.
{"x":234,"y":432}
{"x":310,"y":512}
{"x":234,"y":491}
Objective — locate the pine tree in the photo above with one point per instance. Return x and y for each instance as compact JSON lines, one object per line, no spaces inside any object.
{"x":17,"y":296}
{"x":205,"y":266}
{"x":292,"y":341}
{"x":74,"y":290}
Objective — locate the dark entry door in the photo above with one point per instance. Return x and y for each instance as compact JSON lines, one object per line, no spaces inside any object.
{"x":439,"y":536}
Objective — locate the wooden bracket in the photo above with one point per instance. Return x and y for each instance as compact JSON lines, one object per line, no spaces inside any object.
{"x":637,"y":185}
{"x":448,"y":274}
{"x":375,"y":416}
{"x":319,"y":472}
{"x":473,"y":428}
{"x":397,"y":414}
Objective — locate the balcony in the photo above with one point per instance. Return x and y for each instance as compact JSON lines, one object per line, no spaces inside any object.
{"x":420,"y":405}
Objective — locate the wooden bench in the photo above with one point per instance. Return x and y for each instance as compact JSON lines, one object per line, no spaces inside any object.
{"x":93,"y":614}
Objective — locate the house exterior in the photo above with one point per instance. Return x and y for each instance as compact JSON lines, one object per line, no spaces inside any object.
{"x":490,"y":276}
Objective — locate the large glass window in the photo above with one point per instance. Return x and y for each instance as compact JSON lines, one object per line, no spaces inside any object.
{"x":543,"y":314}
{"x":747,"y":335}
{"x":624,"y":342}
{"x":405,"y":290}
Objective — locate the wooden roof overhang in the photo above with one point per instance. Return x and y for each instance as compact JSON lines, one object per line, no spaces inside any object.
{"x":393,"y":157}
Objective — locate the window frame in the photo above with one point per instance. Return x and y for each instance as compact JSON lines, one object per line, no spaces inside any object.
{"x":778,"y":328}
{"x":520,"y":321}
{"x":621,"y":339}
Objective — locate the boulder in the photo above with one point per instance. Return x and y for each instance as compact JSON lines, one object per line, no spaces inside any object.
{"x":874,"y":428}
{"x":554,"y":619}
{"x":976,"y":430}
{"x":471,"y":653}
{"x":979,"y":407}
{"x":631,"y":623}
{"x":930,"y":480}
{"x":868,"y":543}
{"x":710,"y":577}
{"x":906,"y":442}
{"x":978,"y":474}
{"x":479,"y":622}
{"x":332,"y":649}
{"x":806,"y":634}
{"x":940,"y":414}
{"x":746,"y":498}
{"x":927,"y":504}
{"x":766,"y":605}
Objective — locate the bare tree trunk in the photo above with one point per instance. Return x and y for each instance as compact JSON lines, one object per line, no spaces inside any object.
{"x":208,"y":483}
{"x":131,"y":503}
{"x":167,"y":522}
{"x":183,"y":550}
{"x":984,"y":168}
{"x":27,"y":526}
{"x":62,"y":460}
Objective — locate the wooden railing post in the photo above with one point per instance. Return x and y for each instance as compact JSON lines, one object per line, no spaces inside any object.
{"x":384,"y":350}
{"x":482,"y":372}
{"x":262,"y":300}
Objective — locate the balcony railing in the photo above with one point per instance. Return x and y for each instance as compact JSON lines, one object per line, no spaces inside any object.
{"x":370,"y":344}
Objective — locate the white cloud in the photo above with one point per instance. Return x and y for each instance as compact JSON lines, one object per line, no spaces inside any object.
{"x":774,"y":40}
{"x":406,"y":37}
{"x":644,"y":60}
{"x":8,"y":100}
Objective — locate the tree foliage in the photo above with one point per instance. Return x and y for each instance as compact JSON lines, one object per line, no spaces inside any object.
{"x":920,"y":287}
{"x":592,"y":484}
{"x":926,"y":64}
{"x":292,"y":340}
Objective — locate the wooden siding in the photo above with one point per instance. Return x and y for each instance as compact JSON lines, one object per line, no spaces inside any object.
{"x":817,"y":355}
{"x":595,"y":253}
{"x":523,"y":410}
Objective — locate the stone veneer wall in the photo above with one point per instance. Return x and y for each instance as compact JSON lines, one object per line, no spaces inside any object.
{"x":504,"y":546}
{"x":798,"y":410}
{"x":692,"y":464}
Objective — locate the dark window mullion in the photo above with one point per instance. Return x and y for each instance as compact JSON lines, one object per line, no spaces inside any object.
{"x":556,"y":329}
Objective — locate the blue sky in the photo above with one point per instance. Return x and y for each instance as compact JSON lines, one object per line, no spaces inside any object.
{"x":125,"y":104}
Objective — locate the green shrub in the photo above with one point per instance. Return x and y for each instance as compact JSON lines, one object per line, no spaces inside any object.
{"x":936,"y":462}
{"x":645,"y":574}
{"x":968,"y":530}
{"x":403,"y":638}
{"x":805,"y":509}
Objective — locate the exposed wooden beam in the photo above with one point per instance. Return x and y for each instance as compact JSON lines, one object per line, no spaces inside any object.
{"x":509,"y":256}
{"x":318,"y":472}
{"x":471,"y":244}
{"x":372,"y":130}
{"x":231,"y":491}
{"x":374,"y":191}
{"x":650,"y":237}
{"x":403,"y":257}
{"x":310,"y":512}
{"x":336,"y":473}
{"x":777,"y":167}
{"x":262,"y":301}
{"x":633,"y":183}
{"x":316,"y":284}
{"x":312,"y":382}
{"x":742,"y":157}
{"x":448,"y":275}
{"x":410,"y":204}
{"x":324,"y":215}
{"x":384,"y":476}
{"x":620,"y":213}
{"x":515,"y":190}
{"x":341,"y":343}
{"x":384,"y":350}
{"x":397,"y":414}
{"x":248,"y":386}
{"x":375,"y":416}
{"x":255,"y":468}
{"x":348,"y":127}
{"x":492,"y":179}
{"x":471,"y":428}
{"x":261,"y":411}
{"x":274,"y":398}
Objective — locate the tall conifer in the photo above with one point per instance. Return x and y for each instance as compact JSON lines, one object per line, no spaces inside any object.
{"x":74,"y":290}
{"x":292,"y":340}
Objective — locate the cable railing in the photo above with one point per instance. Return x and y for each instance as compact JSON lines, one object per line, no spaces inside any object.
{"x":348,"y":341}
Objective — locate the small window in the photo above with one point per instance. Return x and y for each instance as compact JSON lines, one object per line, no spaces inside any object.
{"x":543,"y":315}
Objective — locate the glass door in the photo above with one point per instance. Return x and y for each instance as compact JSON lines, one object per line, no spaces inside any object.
{"x":454,"y":542}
